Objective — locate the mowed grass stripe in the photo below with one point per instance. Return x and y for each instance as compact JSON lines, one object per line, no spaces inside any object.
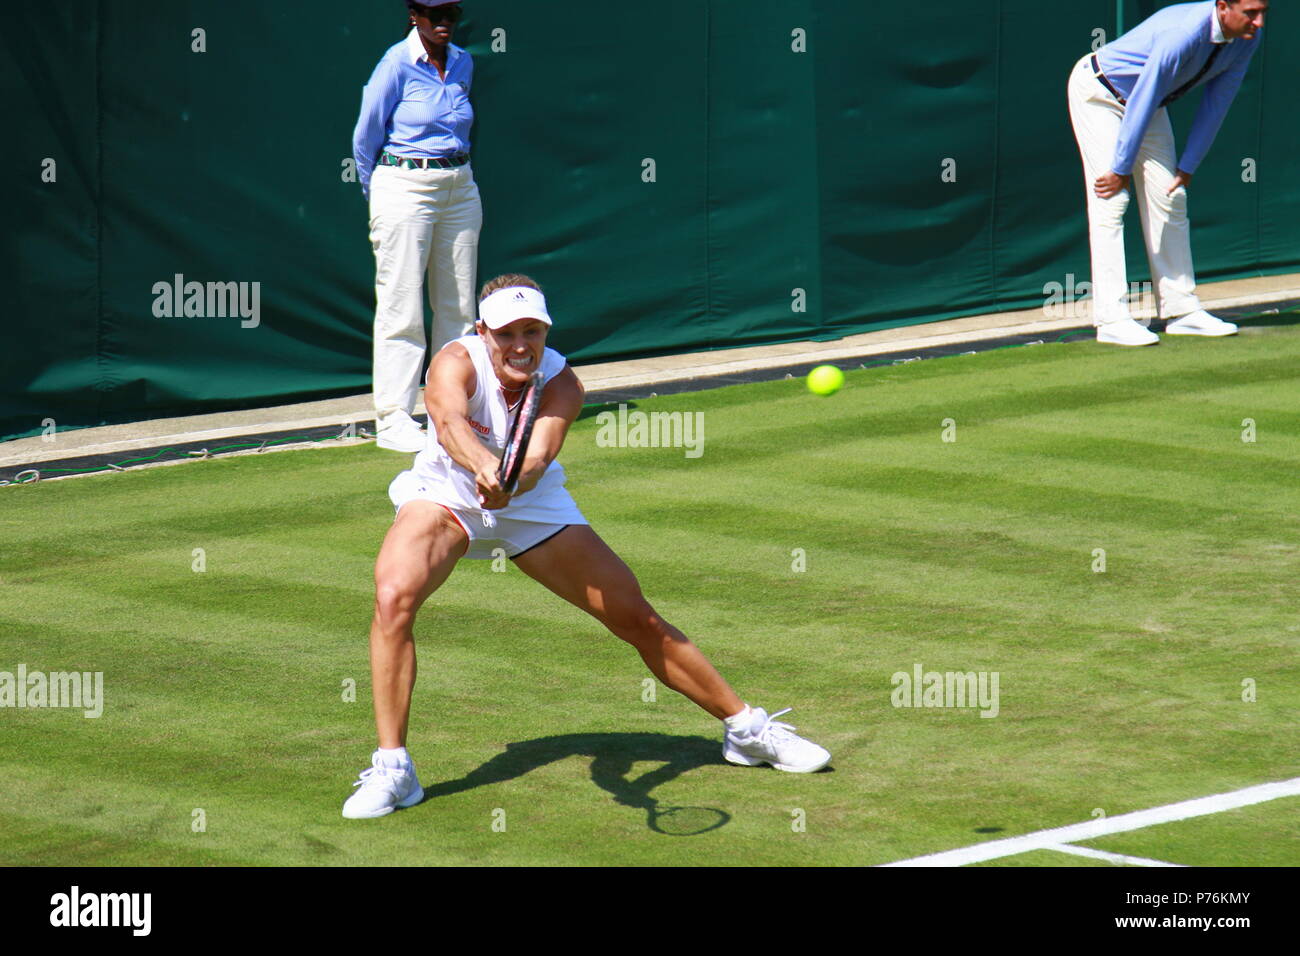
{"x":1041,"y":598}
{"x":1113,"y":498}
{"x":1046,"y":501}
{"x":922,"y":419}
{"x":178,"y":522}
{"x":1141,"y":464}
{"x":882,"y":492}
{"x":250,"y":629}
{"x":66,"y":842}
{"x":903,"y":566}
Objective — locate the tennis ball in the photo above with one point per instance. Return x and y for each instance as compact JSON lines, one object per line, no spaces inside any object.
{"x":825,"y":380}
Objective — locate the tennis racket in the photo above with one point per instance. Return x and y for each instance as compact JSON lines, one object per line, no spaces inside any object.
{"x":512,"y":461}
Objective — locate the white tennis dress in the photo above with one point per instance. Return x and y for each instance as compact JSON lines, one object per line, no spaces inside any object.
{"x":436,"y":477}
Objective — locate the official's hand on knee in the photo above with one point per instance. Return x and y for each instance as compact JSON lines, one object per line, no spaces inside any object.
{"x":1111,"y":184}
{"x":1181,"y":179}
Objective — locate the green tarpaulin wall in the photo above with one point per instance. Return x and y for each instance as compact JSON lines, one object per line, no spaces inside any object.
{"x":798,"y":149}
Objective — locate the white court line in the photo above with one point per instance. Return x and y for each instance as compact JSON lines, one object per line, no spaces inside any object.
{"x":1047,"y":839}
{"x":1092,"y":854}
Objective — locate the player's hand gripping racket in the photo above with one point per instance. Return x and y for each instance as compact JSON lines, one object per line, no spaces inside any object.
{"x":512,"y":462}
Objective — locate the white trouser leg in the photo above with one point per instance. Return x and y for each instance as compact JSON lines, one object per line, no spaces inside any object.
{"x":1096,"y":116}
{"x":406,"y":208}
{"x":401,"y":223}
{"x":1165,"y":227}
{"x":453,"y":262}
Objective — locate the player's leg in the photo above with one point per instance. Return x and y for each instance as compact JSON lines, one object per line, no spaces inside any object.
{"x":578,"y":566}
{"x":401,"y":224}
{"x":1096,"y":117}
{"x":453,"y":263}
{"x":418,"y":554}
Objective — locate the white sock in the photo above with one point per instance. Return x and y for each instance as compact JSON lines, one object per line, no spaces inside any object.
{"x":396,"y":758}
{"x":740,"y":723}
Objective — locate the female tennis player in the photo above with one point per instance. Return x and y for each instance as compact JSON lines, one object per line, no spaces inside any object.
{"x":451,"y":505}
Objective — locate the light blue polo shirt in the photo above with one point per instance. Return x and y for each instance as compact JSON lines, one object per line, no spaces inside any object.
{"x":409,"y":110}
{"x":1157,"y":57}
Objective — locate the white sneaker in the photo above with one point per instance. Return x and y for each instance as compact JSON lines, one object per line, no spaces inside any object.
{"x":1199,"y":322}
{"x":1126,"y":332}
{"x":383,"y":790}
{"x":774,"y":743}
{"x":401,"y":432}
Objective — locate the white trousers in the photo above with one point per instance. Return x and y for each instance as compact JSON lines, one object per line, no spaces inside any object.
{"x":1096,"y":115}
{"x":424,"y":227}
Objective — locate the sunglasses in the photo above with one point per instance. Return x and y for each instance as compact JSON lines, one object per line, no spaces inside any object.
{"x":437,"y":14}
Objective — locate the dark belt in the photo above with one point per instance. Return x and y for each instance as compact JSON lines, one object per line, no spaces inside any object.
{"x":1176,"y":94}
{"x":432,"y":162}
{"x":1101,"y":78}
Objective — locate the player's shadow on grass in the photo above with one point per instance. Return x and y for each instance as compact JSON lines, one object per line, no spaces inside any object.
{"x":612,"y":757}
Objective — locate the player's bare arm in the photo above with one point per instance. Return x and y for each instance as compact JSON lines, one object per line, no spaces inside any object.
{"x":446,"y":396}
{"x":561,"y":405}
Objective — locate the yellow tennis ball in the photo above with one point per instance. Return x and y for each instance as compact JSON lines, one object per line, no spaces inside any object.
{"x":825,"y":380}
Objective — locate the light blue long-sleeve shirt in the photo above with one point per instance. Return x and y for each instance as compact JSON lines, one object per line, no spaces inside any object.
{"x":407,"y":109}
{"x":1157,"y":57}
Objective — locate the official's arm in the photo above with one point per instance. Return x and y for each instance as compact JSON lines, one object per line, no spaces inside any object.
{"x":1218,"y":97}
{"x":378,"y":100}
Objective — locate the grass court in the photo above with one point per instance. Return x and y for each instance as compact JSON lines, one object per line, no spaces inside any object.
{"x":1167,"y":676}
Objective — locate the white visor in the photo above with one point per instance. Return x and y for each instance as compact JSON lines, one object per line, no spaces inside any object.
{"x":512,"y":304}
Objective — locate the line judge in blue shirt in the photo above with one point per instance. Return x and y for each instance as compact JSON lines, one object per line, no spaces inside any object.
{"x":411,"y":146}
{"x":1117,"y":106}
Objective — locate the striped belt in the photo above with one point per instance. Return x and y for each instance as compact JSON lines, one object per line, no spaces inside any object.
{"x":1101,"y":78}
{"x":432,"y":162}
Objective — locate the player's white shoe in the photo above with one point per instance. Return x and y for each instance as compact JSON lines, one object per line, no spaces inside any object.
{"x":1200,"y":322}
{"x":383,"y":790}
{"x":1126,"y":332}
{"x":401,"y":432}
{"x":773,"y":742}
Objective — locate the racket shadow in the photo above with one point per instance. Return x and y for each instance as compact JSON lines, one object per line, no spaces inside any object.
{"x":612,"y":759}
